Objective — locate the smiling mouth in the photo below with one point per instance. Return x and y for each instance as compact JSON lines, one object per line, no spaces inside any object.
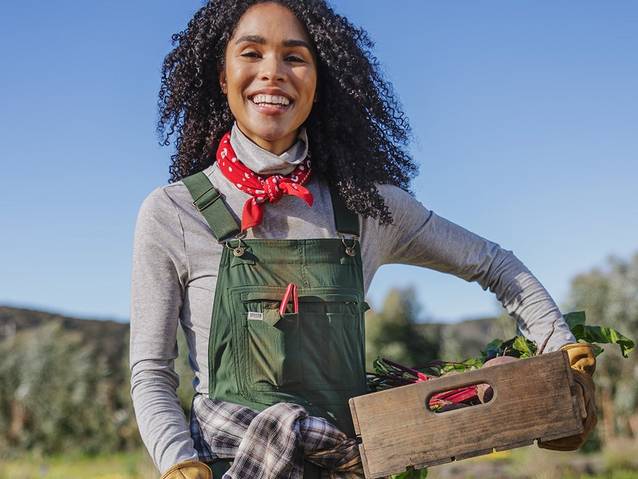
{"x":263,"y":99}
{"x":271,"y":103}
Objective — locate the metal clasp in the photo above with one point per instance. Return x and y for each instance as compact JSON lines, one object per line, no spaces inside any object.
{"x":350,"y":249}
{"x":240,"y":249}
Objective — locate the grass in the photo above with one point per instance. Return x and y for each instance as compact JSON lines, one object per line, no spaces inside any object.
{"x":135,"y":465}
{"x":618,"y":461}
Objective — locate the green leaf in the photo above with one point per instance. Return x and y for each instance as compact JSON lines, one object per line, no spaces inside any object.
{"x":603,"y":335}
{"x":492,"y":349}
{"x":380,"y":366}
{"x":412,"y":474}
{"x":467,"y":365}
{"x":525,"y":348}
{"x":597,"y":350}
{"x":575,"y":318}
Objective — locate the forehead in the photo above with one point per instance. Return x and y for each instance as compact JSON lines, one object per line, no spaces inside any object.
{"x":272,"y":21}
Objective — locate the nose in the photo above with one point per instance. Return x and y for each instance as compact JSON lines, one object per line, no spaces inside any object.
{"x":272,"y":69}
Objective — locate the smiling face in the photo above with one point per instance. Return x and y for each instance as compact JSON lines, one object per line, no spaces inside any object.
{"x":269,"y":76}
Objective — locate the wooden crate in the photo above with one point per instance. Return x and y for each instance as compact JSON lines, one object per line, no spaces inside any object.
{"x":533,"y":399}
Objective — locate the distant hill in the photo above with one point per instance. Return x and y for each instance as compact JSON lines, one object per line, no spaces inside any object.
{"x":109,"y":338}
{"x":467,"y":338}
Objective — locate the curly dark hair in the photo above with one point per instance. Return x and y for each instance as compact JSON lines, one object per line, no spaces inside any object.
{"x":357,"y":130}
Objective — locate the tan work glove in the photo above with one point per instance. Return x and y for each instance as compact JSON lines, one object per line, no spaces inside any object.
{"x":188,"y":470}
{"x":583,"y":363}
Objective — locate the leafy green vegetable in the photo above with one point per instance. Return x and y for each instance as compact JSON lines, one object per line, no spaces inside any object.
{"x":467,"y":365}
{"x":412,"y":474}
{"x":518,"y":347}
{"x":492,"y":349}
{"x":597,"y":334}
{"x":602,"y":335}
{"x":575,"y":318}
{"x":524,"y":347}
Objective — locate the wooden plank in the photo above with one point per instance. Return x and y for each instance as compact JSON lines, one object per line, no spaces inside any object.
{"x":533,"y":398}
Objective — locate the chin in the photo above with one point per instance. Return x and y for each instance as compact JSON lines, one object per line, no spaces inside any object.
{"x":272,"y":134}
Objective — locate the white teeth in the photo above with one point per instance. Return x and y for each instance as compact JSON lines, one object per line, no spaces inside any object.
{"x":271,"y":99}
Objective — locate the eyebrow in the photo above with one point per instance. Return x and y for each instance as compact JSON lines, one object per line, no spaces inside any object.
{"x":262,"y":41}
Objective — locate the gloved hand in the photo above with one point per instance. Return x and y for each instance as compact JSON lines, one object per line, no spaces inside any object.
{"x":583,"y":363}
{"x":188,"y":470}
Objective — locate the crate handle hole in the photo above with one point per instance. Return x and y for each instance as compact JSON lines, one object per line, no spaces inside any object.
{"x":458,"y":398}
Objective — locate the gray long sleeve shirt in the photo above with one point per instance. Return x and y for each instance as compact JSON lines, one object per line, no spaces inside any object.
{"x":175,"y":264}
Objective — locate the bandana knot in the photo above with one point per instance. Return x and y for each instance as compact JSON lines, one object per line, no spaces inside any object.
{"x":272,"y":188}
{"x":261,"y":189}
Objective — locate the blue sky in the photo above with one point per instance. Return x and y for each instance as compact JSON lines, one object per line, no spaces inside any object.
{"x":525,"y":117}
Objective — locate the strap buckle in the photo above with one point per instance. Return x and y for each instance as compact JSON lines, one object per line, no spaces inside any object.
{"x":206,"y":199}
{"x":240,"y":249}
{"x":350,"y":249}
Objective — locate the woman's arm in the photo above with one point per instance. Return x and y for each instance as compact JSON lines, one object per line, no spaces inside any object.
{"x":157,"y":287}
{"x":420,"y":237}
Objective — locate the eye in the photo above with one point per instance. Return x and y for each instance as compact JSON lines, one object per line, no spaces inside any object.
{"x":295,"y":58}
{"x":250,"y":54}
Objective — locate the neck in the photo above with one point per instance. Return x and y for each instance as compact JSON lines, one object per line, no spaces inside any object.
{"x":276,"y":147}
{"x":265,"y":162}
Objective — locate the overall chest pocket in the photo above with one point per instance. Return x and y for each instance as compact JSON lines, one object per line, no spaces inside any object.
{"x":269,"y":343}
{"x":320,"y":347}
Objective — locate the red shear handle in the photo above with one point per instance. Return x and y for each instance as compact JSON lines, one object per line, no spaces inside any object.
{"x":291,"y":290}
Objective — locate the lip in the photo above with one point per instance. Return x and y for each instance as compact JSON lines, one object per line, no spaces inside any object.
{"x":270,"y":109}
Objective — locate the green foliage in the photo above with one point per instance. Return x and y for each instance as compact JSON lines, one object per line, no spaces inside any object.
{"x":520,"y":347}
{"x":460,"y":366}
{"x":412,"y":474}
{"x":494,"y":348}
{"x":54,"y":393}
{"x":393,"y":332}
{"x":64,"y":385}
{"x":524,"y":347}
{"x":597,"y":334}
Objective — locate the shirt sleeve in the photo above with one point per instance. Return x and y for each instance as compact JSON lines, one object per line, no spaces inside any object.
{"x":419,"y":237}
{"x":159,"y":273}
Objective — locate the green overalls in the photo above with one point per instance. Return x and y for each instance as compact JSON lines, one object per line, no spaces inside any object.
{"x":315,"y":356}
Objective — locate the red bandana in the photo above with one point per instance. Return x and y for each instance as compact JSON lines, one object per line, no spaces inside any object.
{"x":262,"y":189}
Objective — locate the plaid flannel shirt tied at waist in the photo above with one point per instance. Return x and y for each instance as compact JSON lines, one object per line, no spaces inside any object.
{"x":272,"y":443}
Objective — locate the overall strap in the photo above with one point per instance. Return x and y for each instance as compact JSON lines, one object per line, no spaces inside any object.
{"x":346,"y":221}
{"x":211,"y":205}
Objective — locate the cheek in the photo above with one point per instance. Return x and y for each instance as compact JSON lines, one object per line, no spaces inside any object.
{"x":307,"y":85}
{"x":238,"y":78}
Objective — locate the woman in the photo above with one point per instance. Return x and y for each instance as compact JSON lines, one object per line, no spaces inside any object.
{"x":289,"y":191}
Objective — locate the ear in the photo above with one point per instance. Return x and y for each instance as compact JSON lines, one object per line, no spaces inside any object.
{"x":222,"y":81}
